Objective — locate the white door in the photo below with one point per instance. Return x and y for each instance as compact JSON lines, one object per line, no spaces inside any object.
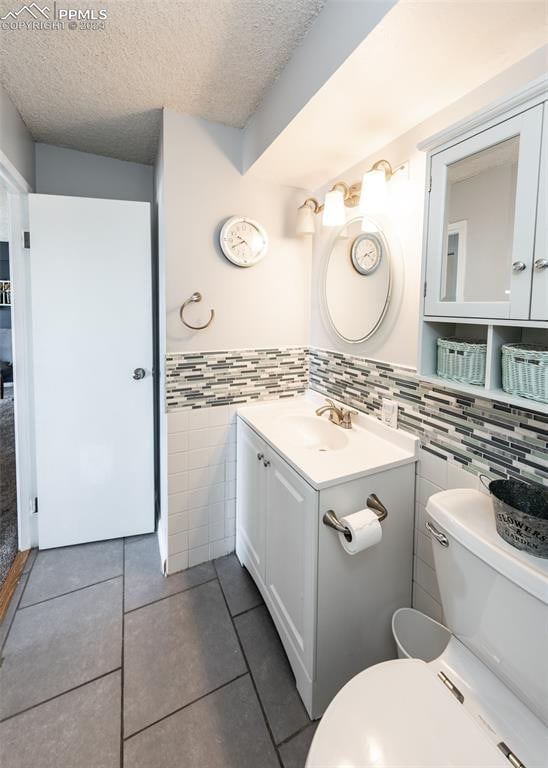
{"x":92,"y":332}
{"x":250,"y":512}
{"x":539,"y":300}
{"x":291,"y":536}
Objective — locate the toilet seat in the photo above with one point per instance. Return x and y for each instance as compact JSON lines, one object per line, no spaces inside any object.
{"x":399,"y":714}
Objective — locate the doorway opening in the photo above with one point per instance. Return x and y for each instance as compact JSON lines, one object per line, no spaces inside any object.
{"x":8,"y":483}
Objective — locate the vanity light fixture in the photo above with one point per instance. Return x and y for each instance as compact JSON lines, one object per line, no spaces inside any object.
{"x":305,"y":217}
{"x":370,"y":195}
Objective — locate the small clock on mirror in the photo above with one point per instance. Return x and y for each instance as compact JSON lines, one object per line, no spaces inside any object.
{"x":243,"y":241}
{"x":366,"y":253}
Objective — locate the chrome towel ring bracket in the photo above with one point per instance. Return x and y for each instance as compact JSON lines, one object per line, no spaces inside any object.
{"x":197,"y":296}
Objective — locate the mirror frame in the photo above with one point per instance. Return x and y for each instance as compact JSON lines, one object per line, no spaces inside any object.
{"x":323,"y":289}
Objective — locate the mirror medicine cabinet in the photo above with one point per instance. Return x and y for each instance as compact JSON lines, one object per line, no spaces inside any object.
{"x":485,"y":265}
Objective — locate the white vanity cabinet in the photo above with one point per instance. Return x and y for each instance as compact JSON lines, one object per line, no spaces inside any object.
{"x":276,"y":539}
{"x":331,"y":610}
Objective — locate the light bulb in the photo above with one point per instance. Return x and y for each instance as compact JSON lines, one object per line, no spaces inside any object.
{"x":373,"y":195}
{"x":333,"y":212}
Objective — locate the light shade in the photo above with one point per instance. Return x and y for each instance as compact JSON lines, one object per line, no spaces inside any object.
{"x":373,"y":197}
{"x":333,"y":212}
{"x":305,"y":221}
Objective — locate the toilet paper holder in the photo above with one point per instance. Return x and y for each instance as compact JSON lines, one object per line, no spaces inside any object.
{"x":373,"y":502}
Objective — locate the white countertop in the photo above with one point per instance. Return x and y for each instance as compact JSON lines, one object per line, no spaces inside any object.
{"x":323,"y":453}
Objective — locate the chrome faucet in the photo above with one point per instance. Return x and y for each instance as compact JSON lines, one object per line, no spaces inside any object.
{"x":342,"y":417}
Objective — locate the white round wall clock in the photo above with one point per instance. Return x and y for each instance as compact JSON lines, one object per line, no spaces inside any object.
{"x":243,"y":241}
{"x":366,"y":253}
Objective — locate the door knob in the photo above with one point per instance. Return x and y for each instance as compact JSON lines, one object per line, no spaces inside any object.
{"x":518,"y":266}
{"x":541,"y":264}
{"x":139,"y":373}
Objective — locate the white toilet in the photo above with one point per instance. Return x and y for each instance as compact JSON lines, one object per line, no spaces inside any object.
{"x":484,"y":700}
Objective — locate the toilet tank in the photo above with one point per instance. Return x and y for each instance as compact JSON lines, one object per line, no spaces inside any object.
{"x":494,"y":597}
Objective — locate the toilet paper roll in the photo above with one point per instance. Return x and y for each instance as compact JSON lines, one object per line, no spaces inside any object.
{"x":365,"y":529}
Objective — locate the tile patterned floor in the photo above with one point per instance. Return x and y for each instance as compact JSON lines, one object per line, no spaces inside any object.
{"x":107,"y":664}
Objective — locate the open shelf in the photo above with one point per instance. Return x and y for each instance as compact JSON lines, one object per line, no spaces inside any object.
{"x":495,"y":335}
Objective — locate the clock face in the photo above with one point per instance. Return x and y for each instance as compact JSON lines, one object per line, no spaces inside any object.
{"x":244,"y":242}
{"x":366,"y":253}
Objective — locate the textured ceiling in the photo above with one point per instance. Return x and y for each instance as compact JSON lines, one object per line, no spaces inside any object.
{"x":101,"y":91}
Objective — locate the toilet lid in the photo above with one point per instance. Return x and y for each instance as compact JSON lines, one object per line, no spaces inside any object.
{"x":399,"y":714}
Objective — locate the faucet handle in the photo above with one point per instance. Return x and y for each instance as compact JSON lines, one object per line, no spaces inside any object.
{"x":346,"y":417}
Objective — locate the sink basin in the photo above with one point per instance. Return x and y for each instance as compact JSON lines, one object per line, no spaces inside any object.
{"x":317,"y":434}
{"x":323,"y":453}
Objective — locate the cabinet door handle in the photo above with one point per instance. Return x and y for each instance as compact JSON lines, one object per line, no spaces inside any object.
{"x":266,"y":463}
{"x":260,"y":456}
{"x":541,"y":264}
{"x":519,"y":266}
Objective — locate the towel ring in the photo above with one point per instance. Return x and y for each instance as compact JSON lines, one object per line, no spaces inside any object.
{"x":197,"y":296}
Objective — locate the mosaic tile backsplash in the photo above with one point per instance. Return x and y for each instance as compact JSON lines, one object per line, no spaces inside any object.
{"x":479,"y":434}
{"x":202,"y":379}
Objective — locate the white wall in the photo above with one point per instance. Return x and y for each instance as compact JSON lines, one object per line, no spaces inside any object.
{"x":15,"y":140}
{"x":199,"y":186}
{"x":397,"y":340}
{"x":265,"y":305}
{"x":61,"y":171}
{"x":339,"y":29}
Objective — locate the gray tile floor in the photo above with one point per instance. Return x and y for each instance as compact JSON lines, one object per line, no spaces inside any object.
{"x":106,"y":664}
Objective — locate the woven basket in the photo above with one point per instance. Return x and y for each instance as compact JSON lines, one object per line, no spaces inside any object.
{"x":462,"y":360}
{"x":525,"y":371}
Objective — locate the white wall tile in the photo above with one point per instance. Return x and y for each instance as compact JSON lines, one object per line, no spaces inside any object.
{"x":199,"y":418}
{"x":425,"y":603}
{"x":198,"y":517}
{"x":198,"y":536}
{"x":423,"y":548}
{"x":426,"y":489}
{"x":177,"y":502}
{"x":457,"y":477}
{"x":221,"y":548}
{"x":198,"y":555}
{"x":178,"y":522}
{"x":217,"y":513}
{"x":177,"y":542}
{"x":177,"y":462}
{"x":217,"y":531}
{"x":202,"y":483}
{"x":177,"y":421}
{"x":198,"y":498}
{"x":177,"y":442}
{"x":177,"y":562}
{"x":177,"y":483}
{"x":425,"y":576}
{"x":432,"y":468}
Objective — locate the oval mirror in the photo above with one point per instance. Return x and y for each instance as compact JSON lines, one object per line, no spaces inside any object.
{"x":357,"y":279}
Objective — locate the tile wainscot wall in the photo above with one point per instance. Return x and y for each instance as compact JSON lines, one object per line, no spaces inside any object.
{"x":461,"y":437}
